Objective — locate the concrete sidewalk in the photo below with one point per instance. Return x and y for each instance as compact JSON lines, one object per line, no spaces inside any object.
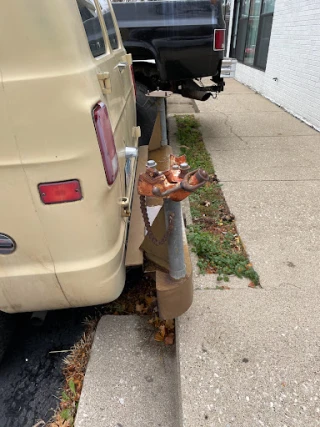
{"x":251,"y":357}
{"x":244,"y":357}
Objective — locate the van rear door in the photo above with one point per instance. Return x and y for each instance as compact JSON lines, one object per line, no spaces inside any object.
{"x":29,"y":267}
{"x":113,"y":67}
{"x":118,"y":65}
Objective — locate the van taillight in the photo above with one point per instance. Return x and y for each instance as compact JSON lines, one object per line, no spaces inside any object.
{"x":60,"y":192}
{"x":218,"y":39}
{"x":133,"y":80}
{"x":106,"y":142}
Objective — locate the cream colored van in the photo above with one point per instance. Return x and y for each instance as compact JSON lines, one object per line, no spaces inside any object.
{"x":67,"y":159}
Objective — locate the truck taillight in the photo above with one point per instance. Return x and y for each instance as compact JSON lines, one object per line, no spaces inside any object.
{"x":106,"y":142}
{"x":60,"y":192}
{"x":133,"y":80}
{"x":218,"y":39}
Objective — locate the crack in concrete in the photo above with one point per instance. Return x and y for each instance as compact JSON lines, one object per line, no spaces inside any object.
{"x":266,"y":136}
{"x":229,"y":126}
{"x":272,"y":180}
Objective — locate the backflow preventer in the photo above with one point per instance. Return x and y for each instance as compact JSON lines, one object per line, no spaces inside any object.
{"x":172,"y":185}
{"x":166,"y":181}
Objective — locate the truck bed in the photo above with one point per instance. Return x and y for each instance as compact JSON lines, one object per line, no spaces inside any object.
{"x":178,"y":35}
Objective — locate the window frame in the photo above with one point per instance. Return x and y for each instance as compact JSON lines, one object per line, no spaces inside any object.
{"x":106,"y":42}
{"x":245,"y":21}
{"x":108,"y":48}
{"x":106,"y":34}
{"x":263,"y":15}
{"x":247,"y":32}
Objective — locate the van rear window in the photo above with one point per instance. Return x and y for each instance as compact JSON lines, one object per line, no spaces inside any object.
{"x":92,"y":26}
{"x":105,"y":7}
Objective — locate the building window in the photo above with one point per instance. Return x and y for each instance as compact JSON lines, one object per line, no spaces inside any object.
{"x":262,"y":48}
{"x":252,"y":31}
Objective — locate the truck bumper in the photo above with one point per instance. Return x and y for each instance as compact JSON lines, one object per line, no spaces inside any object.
{"x":228,"y":68}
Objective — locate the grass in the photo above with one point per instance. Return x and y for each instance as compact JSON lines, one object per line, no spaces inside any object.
{"x":74,"y":368}
{"x":213,"y":235}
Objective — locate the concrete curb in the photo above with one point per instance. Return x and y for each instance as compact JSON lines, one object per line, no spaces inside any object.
{"x":130,"y":380}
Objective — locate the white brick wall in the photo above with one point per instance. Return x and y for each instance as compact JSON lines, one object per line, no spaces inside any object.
{"x":294,"y":59}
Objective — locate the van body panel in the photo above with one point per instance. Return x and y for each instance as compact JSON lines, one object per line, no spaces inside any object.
{"x":67,"y":254}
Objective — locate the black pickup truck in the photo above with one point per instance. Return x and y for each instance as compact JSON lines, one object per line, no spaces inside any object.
{"x":173,"y":43}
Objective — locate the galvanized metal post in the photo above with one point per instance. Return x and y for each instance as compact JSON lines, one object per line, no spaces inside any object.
{"x":161,"y":105}
{"x":160,"y":96}
{"x":172,"y":210}
{"x":177,"y":266}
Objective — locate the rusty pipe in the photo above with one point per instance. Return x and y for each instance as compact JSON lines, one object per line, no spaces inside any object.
{"x":194,"y":180}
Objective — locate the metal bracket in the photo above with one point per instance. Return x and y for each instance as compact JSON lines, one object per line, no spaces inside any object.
{"x":105,"y":82}
{"x":124,"y":203}
{"x":127,"y":58}
{"x":159,"y":94}
{"x":122,"y":66}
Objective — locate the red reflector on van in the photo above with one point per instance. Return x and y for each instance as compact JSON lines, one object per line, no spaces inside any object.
{"x":218,"y":39}
{"x":106,"y":142}
{"x":60,"y":192}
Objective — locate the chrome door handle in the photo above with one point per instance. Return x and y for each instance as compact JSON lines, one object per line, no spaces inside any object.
{"x":131,"y":152}
{"x":122,"y":65}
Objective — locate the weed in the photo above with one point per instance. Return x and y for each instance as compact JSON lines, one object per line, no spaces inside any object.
{"x":213,"y":235}
{"x":74,"y":370}
{"x":191,"y":143}
{"x":219,"y":256}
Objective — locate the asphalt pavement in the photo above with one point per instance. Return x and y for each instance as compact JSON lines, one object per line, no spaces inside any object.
{"x":30,"y":376}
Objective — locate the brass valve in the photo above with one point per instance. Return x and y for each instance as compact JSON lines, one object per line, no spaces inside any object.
{"x":176,"y":183}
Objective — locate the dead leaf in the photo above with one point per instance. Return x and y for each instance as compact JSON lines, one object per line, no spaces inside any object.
{"x":169,"y":339}
{"x":150,"y":300}
{"x":170,"y":324}
{"x":159,"y":337}
{"x":140,"y":308}
{"x":156,"y":321}
{"x":162,"y":330}
{"x":64,"y":405}
{"x":251,"y":285}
